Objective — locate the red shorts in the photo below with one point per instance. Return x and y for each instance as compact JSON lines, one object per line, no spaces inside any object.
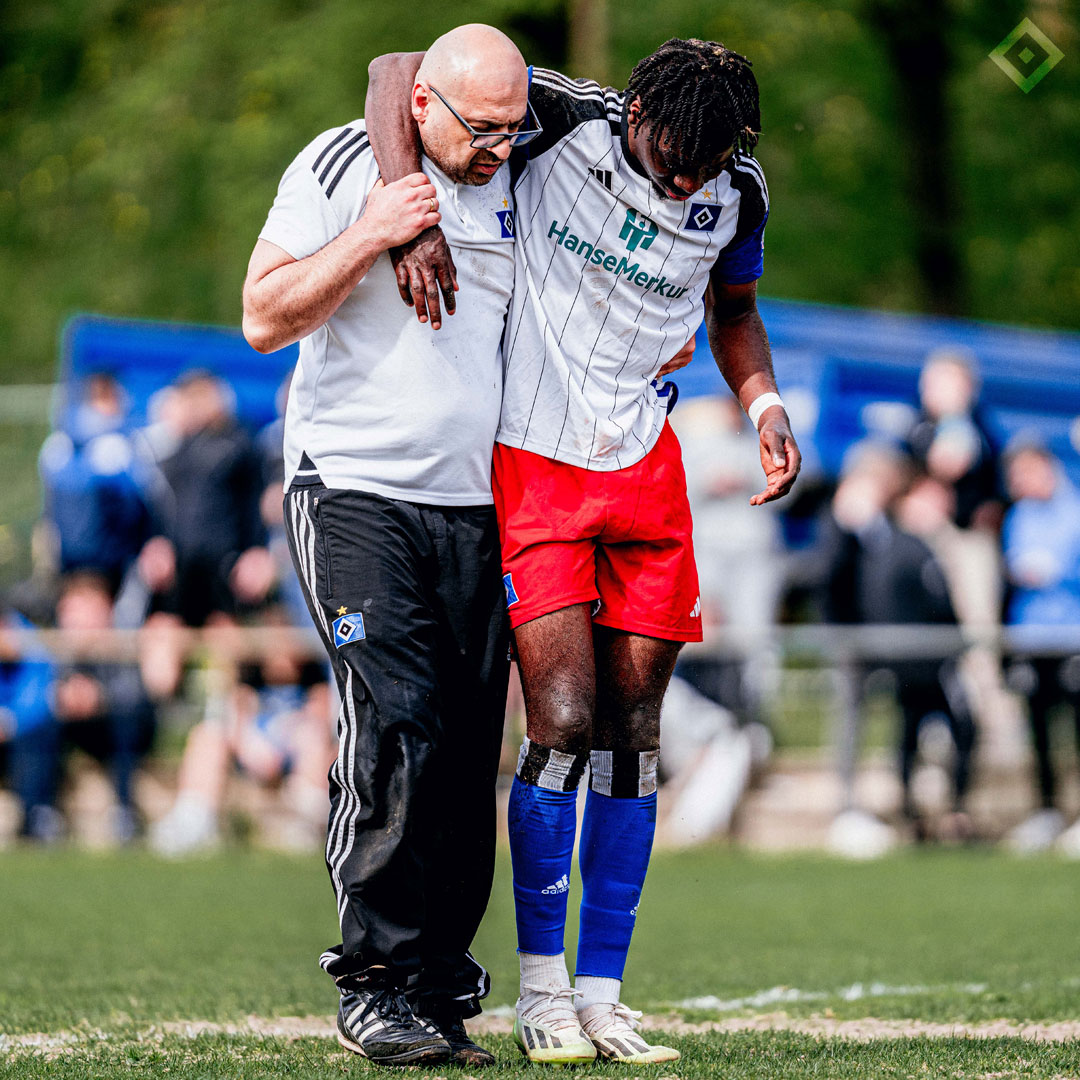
{"x":574,"y":536}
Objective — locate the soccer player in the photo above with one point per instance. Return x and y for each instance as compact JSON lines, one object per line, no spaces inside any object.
{"x":388,"y":436}
{"x":632,"y":210}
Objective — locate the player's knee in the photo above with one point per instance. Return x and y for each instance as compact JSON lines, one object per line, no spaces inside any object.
{"x":569,"y":732}
{"x":629,"y":725}
{"x":561,"y":718}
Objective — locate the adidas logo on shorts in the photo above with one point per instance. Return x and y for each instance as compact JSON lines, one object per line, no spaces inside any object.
{"x":560,"y":886}
{"x":696,"y":611}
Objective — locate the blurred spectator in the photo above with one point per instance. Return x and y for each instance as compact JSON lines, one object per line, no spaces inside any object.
{"x":952,"y":443}
{"x":210,"y":561}
{"x":26,"y":678}
{"x":1041,"y":542}
{"x":270,"y":445}
{"x":706,"y":766}
{"x":737,"y":547}
{"x":92,"y":498}
{"x":98,"y":707}
{"x":882,"y":574}
{"x":276,"y":727}
{"x":712,"y":736}
{"x":736,"y":544}
{"x":956,"y":448}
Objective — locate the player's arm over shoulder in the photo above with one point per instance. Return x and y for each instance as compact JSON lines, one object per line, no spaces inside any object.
{"x":393,"y":132}
{"x":562,"y":104}
{"x":331,"y":220}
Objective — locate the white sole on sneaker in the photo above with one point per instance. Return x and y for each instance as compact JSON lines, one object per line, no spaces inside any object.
{"x":548,"y":1047}
{"x":612,"y":1029}
{"x":633,"y":1050}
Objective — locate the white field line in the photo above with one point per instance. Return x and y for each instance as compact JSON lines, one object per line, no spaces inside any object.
{"x":52,"y":1044}
{"x":784,"y":995}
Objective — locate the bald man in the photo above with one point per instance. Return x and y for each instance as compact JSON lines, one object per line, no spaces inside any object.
{"x":388,"y":442}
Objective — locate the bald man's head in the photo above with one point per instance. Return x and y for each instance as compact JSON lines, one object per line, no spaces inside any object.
{"x":481,"y":75}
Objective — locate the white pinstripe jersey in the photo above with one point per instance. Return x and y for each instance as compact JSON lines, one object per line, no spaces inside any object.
{"x":609,"y":278}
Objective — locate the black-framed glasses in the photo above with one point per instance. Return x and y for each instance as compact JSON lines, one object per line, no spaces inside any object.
{"x":485,"y":140}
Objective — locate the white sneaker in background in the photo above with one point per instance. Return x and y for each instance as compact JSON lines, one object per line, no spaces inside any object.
{"x":1036,"y":833}
{"x":707,"y":799}
{"x":1068,"y":843}
{"x":855,"y":834}
{"x":189,"y":828}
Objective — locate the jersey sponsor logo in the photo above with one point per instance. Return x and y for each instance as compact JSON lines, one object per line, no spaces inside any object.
{"x":348,"y":628}
{"x":511,"y":593}
{"x":506,"y":223}
{"x":702,"y":217}
{"x":615,"y":265}
{"x":603,"y":175}
{"x":638,"y":229}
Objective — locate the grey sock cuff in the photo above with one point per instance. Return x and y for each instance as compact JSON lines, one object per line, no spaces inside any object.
{"x":623,"y":774}
{"x":552,"y":769}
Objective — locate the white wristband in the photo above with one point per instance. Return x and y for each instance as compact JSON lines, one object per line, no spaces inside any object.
{"x":760,"y":404}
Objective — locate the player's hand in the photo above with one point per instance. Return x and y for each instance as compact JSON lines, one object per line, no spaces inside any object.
{"x":396,"y":212}
{"x":780,"y":457}
{"x":679,"y":360}
{"x":425,"y":268}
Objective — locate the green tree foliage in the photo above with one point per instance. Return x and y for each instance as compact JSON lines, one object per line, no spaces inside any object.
{"x":141,"y":142}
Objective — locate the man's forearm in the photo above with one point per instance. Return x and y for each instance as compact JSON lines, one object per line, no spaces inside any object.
{"x":292,"y":300}
{"x":741,"y":348}
{"x":391,"y":129}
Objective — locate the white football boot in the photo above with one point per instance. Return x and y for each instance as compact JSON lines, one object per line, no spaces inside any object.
{"x":546,"y":1027}
{"x":613,"y":1030}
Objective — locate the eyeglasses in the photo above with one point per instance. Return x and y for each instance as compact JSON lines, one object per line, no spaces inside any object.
{"x":485,"y":140}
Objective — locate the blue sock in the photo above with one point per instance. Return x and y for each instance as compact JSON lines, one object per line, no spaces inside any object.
{"x":616,"y":841}
{"x":542,"y":825}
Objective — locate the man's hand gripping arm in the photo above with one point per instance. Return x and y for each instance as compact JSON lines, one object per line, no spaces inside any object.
{"x":741,"y":348}
{"x":287,"y":298}
{"x":424,"y":265}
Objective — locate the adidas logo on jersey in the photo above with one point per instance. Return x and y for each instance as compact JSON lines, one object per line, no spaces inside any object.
{"x":603,"y":175}
{"x":560,"y":886}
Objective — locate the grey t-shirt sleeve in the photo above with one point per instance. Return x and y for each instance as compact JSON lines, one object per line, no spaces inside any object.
{"x":309,"y":212}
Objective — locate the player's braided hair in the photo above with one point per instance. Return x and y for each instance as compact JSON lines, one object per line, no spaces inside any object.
{"x":704,"y":95}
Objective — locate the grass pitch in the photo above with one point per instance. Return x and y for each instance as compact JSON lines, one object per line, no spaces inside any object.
{"x":104,"y":955}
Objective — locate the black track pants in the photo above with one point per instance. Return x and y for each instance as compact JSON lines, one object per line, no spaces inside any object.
{"x":410,"y":604}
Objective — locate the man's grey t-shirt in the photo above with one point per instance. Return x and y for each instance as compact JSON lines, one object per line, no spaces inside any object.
{"x":380,"y":402}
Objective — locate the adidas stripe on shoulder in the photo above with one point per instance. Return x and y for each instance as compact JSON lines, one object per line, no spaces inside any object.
{"x":337,"y":155}
{"x":562,"y":104}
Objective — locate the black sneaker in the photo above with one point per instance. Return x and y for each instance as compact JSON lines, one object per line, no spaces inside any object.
{"x":376,"y":1021}
{"x":448,"y":1022}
